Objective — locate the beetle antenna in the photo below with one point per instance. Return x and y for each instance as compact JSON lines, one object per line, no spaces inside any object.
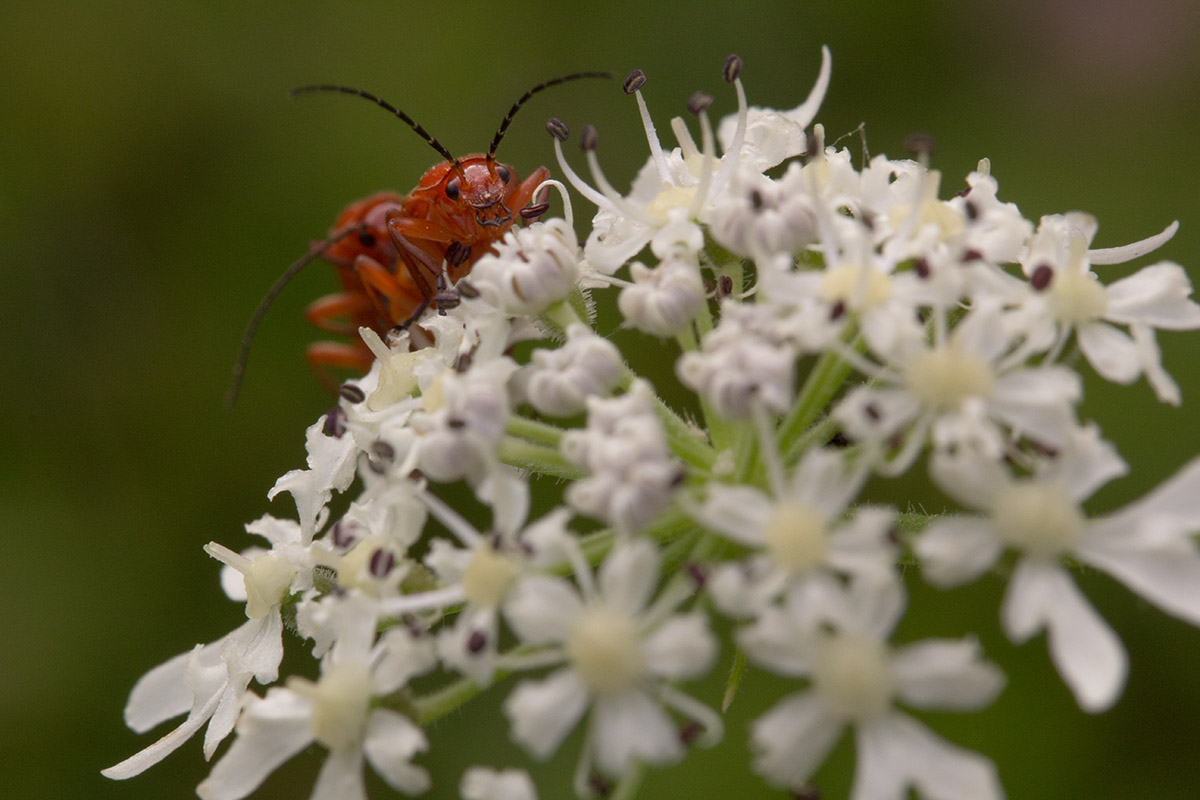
{"x":508,"y":118}
{"x":424,"y":134}
{"x":239,"y":366}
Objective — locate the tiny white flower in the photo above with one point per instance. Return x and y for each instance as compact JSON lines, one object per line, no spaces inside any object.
{"x":336,"y":711}
{"x":531,"y":269}
{"x":1069,"y":298}
{"x":208,"y":682}
{"x":800,"y":534}
{"x":855,"y":679}
{"x":558,"y":381}
{"x":620,"y":651}
{"x":741,"y":363}
{"x":662,"y":300}
{"x":631,"y":474}
{"x":1147,"y":545}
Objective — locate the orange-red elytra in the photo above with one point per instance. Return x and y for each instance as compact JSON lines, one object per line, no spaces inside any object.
{"x":393,"y":253}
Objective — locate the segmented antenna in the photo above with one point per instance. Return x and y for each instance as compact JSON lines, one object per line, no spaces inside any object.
{"x":424,"y":134}
{"x":508,"y":118}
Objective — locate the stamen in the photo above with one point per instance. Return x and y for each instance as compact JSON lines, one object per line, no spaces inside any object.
{"x":729,"y":159}
{"x":588,"y":140}
{"x":687,"y":145}
{"x":566,"y":199}
{"x":557,"y":127}
{"x":633,"y":85}
{"x":700,"y":101}
{"x":450,"y":518}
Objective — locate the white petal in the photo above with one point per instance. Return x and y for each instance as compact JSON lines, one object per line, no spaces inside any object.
{"x":1174,"y":506}
{"x":945,"y":673}
{"x":896,"y":752}
{"x":738,"y":512}
{"x":1084,"y":649}
{"x":954,"y":550}
{"x":792,"y":739}
{"x":1110,"y":352}
{"x":1128,"y":252}
{"x":1156,"y":295}
{"x":271,"y":731}
{"x":681,"y":647}
{"x":482,"y":783}
{"x":144,"y":759}
{"x":1167,"y":575}
{"x":628,"y":576}
{"x":341,"y":776}
{"x":1164,"y":386}
{"x":543,"y":712}
{"x":390,"y":744}
{"x":541,"y":609}
{"x":159,"y":694}
{"x":631,"y":726}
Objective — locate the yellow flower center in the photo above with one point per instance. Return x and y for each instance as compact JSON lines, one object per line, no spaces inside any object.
{"x":605,"y":651}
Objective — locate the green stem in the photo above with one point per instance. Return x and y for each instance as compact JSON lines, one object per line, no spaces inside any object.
{"x":823,"y":382}
{"x":534,"y":430}
{"x":536,"y":458}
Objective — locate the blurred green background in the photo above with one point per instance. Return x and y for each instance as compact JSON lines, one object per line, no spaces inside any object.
{"x":155,"y":178}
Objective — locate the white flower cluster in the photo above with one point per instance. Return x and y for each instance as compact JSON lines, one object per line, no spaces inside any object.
{"x":836,"y":322}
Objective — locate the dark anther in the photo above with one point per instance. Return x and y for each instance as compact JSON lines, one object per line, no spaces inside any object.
{"x":600,"y":786}
{"x":476,"y":641}
{"x":698,"y":102}
{"x":633,"y":81}
{"x":678,"y":478}
{"x":558,"y":129}
{"x":971,"y":210}
{"x":535,"y":210}
{"x":724,"y":286}
{"x":416,"y":475}
{"x":464,"y":362}
{"x":756,"y":199}
{"x":449,"y":298}
{"x":838,"y":309}
{"x":1041,"y":277}
{"x":343,"y":535}
{"x":839,"y":440}
{"x":811,"y":145}
{"x":382,"y":450}
{"x":456,"y":254}
{"x":970,"y":255}
{"x":381,"y":563}
{"x":366,"y":238}
{"x":868,"y":220}
{"x":732,"y":68}
{"x":456,"y":423}
{"x":892,"y":534}
{"x":335,"y":422}
{"x":919,"y":144}
{"x":921,"y":267}
{"x":690,"y":731}
{"x":467,"y":289}
{"x":589,"y":137}
{"x":351,"y":393}
{"x":698,"y":574}
{"x":872,"y":412}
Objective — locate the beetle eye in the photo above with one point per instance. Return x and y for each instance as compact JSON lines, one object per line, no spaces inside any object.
{"x":502,"y":173}
{"x":452,"y":189}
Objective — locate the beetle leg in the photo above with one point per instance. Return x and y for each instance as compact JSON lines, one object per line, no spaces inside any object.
{"x":423,"y":266}
{"x":392,"y":298}
{"x":322,"y":356}
{"x":337,"y":313}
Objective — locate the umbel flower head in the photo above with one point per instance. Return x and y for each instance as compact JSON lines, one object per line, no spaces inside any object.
{"x":837,"y":325}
